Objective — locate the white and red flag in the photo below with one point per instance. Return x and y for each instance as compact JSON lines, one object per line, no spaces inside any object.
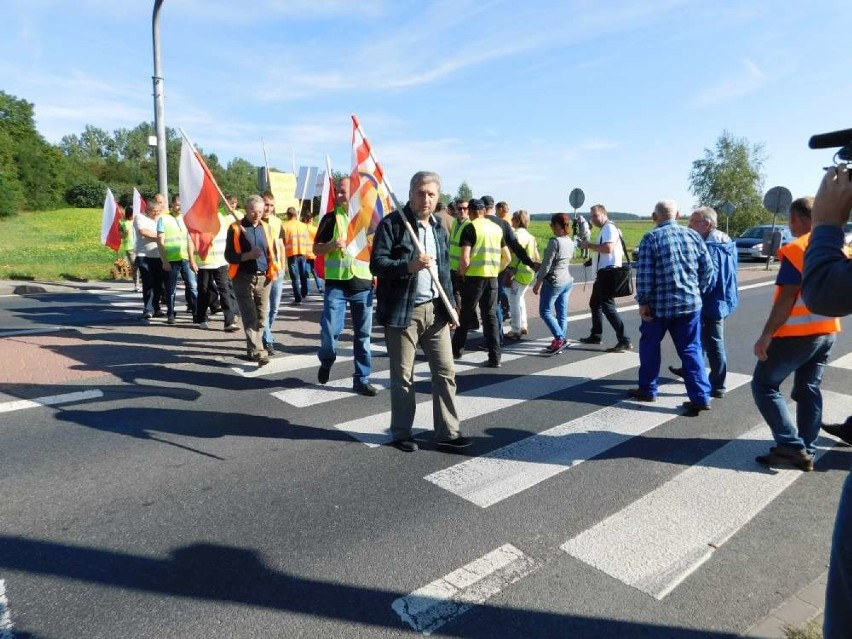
{"x":327,"y":201}
{"x":139,"y":203}
{"x":110,"y":221}
{"x":368,"y":197}
{"x":199,"y":198}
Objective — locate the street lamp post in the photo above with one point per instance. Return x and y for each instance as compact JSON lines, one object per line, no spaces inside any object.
{"x":159,"y":124}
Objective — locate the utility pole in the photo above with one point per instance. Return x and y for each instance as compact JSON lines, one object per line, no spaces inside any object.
{"x":159,"y":124}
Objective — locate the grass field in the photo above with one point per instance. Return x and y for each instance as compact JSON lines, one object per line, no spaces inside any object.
{"x":65,"y":244}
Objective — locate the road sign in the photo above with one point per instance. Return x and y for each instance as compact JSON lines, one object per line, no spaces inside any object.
{"x":728,"y":208}
{"x":777,"y":200}
{"x":576,"y":198}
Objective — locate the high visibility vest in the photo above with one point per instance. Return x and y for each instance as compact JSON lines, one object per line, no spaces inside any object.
{"x":174,"y":238}
{"x":274,"y":223}
{"x":128,"y":235}
{"x":216,"y":253}
{"x":339,"y":264}
{"x":296,"y":239}
{"x":312,"y":236}
{"x":485,"y":253}
{"x":523,"y":273}
{"x":455,"y":247}
{"x":802,"y":321}
{"x":271,"y":268}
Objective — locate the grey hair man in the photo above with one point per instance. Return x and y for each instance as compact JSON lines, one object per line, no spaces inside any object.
{"x":718,"y":302}
{"x":601,"y":303}
{"x":410,"y":308}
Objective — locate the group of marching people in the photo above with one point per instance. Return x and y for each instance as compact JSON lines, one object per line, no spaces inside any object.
{"x":158,"y":248}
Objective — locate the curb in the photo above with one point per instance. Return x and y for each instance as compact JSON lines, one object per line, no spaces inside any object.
{"x":806,"y":605}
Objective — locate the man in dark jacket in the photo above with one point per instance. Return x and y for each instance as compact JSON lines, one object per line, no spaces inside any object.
{"x":410,"y":307}
{"x":720,"y":300}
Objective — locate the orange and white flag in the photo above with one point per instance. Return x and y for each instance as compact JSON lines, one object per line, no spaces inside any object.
{"x":199,"y":199}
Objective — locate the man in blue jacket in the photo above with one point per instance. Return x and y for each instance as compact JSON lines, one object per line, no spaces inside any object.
{"x":410,"y":308}
{"x":720,"y":300}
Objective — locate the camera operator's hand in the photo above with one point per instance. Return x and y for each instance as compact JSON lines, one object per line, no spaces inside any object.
{"x":833,"y":200}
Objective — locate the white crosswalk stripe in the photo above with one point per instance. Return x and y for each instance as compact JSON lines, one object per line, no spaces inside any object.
{"x":507,"y":471}
{"x":373,"y":430}
{"x":667,"y":534}
{"x":7,"y":630}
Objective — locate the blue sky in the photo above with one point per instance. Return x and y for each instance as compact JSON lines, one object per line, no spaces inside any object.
{"x":524,"y":101}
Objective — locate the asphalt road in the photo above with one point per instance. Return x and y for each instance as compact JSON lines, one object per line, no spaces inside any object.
{"x":169,"y":489}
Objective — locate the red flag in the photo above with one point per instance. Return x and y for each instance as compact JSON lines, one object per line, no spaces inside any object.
{"x":139,"y":204}
{"x":199,"y":199}
{"x":112,"y":215}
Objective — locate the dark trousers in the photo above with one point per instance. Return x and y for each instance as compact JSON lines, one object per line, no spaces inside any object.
{"x":481,"y":291}
{"x":298,"y":269}
{"x":214,"y":285}
{"x":153,"y":283}
{"x":605,"y":306}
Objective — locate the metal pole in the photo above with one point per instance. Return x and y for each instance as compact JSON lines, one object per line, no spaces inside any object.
{"x":159,"y":123}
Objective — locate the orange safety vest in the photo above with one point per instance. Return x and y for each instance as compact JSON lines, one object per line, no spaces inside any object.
{"x":802,"y":321}
{"x":295,"y":238}
{"x":271,"y":265}
{"x":312,"y":236}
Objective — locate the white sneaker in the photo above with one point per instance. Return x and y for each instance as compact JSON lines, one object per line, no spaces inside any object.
{"x":202,"y":325}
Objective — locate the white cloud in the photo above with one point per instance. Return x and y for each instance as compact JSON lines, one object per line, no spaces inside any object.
{"x":747,"y":80}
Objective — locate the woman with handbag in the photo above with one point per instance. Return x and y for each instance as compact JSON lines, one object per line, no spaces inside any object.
{"x":554,"y":282}
{"x":519,"y":276}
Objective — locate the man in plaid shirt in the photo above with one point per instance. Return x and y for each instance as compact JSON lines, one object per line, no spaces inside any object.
{"x":674,"y":269}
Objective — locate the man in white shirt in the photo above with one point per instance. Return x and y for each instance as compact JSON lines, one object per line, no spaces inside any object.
{"x":601,"y":303}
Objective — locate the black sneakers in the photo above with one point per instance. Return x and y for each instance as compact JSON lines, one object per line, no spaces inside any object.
{"x":641,"y":395}
{"x":620,"y":347}
{"x":405,"y":445}
{"x":368,"y":390}
{"x":456,"y":442}
{"x":591,"y":339}
{"x":322,"y":374}
{"x":841,"y":431}
{"x":691,"y":409}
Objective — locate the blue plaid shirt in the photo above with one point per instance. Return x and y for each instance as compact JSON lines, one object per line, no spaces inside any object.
{"x":674,"y":269}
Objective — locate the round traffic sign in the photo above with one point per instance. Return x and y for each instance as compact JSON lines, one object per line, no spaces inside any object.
{"x":778,"y":199}
{"x":576,"y":198}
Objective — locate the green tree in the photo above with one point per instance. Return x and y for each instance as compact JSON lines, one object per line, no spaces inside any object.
{"x":732,"y":172}
{"x":464,"y":192}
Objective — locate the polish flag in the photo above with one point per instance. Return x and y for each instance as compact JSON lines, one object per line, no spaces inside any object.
{"x":109,"y":222}
{"x":326,"y":206}
{"x":139,"y":204}
{"x":199,"y":199}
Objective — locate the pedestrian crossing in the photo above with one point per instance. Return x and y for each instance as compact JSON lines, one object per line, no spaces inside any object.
{"x":652,"y":544}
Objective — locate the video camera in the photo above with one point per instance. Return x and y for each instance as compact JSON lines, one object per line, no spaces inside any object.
{"x":842,"y":139}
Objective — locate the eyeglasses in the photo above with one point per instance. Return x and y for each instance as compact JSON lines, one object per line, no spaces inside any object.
{"x":462,"y":208}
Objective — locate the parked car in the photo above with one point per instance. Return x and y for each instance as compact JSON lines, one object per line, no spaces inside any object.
{"x":750,"y":243}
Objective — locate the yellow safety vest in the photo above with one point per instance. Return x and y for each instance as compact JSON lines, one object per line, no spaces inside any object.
{"x":485,"y":254}
{"x":523,"y":273}
{"x":455,"y":247}
{"x":271,"y":267}
{"x":174,"y":238}
{"x":339,"y":264}
{"x":295,"y":237}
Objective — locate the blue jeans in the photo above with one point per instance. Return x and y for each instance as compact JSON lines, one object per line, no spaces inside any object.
{"x":181,"y":267}
{"x":298,"y":269}
{"x":687,"y":340}
{"x":838,"y":592}
{"x":805,"y":358}
{"x":274,"y":301}
{"x":713,"y":342}
{"x":555,"y":298}
{"x":331,"y":326}
{"x":312,"y":273}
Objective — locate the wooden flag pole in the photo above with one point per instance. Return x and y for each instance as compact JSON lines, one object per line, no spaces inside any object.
{"x":433,"y":270}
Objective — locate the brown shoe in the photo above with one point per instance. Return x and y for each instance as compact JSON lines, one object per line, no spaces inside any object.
{"x":786,"y":456}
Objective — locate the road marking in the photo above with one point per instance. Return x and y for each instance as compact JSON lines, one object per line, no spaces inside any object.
{"x":430,"y":607}
{"x":507,"y":471}
{"x":20,"y":404}
{"x":7,"y":630}
{"x":373,"y":429}
{"x":843,"y":362}
{"x":35,"y":331}
{"x":288,"y":363}
{"x":342,"y":388}
{"x":656,"y":542}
